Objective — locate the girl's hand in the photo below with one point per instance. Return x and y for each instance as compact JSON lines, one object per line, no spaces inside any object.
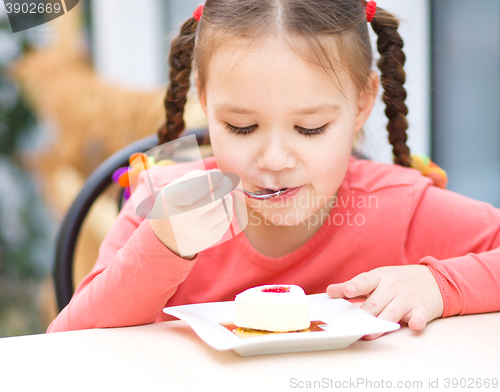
{"x":186,"y":219}
{"x":407,"y":293}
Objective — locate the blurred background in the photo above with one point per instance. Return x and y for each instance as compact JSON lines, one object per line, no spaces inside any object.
{"x":81,"y":87}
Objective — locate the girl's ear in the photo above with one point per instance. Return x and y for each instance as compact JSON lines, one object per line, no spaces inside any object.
{"x":366,"y":100}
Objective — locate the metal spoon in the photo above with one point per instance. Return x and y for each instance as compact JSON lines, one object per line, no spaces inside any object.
{"x":262,"y":194}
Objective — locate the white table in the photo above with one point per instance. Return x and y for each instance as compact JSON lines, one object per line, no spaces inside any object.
{"x":170,"y":356}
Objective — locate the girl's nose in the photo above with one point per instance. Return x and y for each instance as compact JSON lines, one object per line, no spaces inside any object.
{"x":276,"y":155}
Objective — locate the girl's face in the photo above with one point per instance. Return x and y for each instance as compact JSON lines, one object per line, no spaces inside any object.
{"x":278,"y":122}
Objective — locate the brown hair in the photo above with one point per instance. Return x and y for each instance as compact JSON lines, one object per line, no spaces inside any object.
{"x":314,"y":21}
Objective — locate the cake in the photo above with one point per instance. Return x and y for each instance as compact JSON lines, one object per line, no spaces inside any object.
{"x":275,"y":308}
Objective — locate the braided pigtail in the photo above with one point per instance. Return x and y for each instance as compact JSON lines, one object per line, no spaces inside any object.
{"x":180,"y":61}
{"x":392,"y":59}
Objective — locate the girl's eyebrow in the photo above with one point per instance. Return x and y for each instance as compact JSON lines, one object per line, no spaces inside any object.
{"x":320,"y":109}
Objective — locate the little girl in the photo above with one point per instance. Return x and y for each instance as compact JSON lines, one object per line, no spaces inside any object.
{"x":286,"y":86}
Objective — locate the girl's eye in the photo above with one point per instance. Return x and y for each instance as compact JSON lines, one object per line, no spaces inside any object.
{"x":251,"y":128}
{"x":310,"y":132}
{"x":240,"y":131}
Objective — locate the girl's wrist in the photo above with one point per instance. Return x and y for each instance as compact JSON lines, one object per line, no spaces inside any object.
{"x":165,"y":236}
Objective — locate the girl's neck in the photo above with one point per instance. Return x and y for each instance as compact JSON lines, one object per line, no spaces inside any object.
{"x":278,"y":241}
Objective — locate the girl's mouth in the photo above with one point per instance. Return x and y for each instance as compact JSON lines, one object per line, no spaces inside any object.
{"x":277,"y":189}
{"x":289,"y":192}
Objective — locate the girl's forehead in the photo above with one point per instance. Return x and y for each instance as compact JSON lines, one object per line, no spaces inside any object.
{"x":268,"y":66}
{"x":268,"y":52}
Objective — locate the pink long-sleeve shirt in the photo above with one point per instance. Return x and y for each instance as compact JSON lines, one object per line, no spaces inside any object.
{"x":409,"y":221}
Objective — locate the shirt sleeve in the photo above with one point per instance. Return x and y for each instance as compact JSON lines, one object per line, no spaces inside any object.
{"x":458,"y":238}
{"x":133,"y":278}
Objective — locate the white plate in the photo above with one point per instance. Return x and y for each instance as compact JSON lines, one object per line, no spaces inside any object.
{"x":346,"y":324}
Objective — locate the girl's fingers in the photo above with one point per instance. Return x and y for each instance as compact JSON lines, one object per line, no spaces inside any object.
{"x":195,"y":192}
{"x":417,"y":318}
{"x":359,"y":286}
{"x":395,"y":311}
{"x":378,"y":301}
{"x":372,"y":337}
{"x":336,"y":290}
{"x":363,"y":284}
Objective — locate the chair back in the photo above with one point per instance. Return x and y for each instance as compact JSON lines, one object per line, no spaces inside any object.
{"x":93,"y":187}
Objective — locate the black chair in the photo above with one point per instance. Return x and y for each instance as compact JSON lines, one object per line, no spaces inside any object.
{"x":95,"y":185}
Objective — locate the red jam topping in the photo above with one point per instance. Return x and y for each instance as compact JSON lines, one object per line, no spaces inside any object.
{"x":277,"y":289}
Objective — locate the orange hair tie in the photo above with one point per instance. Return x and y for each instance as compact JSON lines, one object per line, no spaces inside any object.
{"x":424,"y":165}
{"x":124,"y":176}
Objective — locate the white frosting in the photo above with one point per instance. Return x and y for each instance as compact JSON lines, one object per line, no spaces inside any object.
{"x":270,"y":311}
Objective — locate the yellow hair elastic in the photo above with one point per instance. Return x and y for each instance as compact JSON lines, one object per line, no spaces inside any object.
{"x":424,"y":165}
